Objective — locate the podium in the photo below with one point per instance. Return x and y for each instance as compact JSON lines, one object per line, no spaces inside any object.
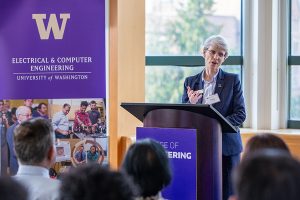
{"x":209,"y":125}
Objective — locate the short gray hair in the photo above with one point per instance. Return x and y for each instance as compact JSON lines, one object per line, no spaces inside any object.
{"x":216,"y":40}
{"x":21,"y":110}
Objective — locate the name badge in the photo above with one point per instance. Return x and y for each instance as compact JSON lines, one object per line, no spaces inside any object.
{"x":212,"y":99}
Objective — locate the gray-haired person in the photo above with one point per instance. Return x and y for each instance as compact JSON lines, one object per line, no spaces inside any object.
{"x":23,"y":113}
{"x":222,"y":90}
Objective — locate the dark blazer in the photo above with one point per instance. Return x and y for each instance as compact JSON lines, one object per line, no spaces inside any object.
{"x":231,"y":105}
{"x":13,"y":162}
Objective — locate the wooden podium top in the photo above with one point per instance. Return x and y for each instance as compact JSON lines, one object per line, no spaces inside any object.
{"x":140,"y":110}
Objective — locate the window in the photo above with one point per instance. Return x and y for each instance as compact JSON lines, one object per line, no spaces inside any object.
{"x":294,"y":65}
{"x":175,"y":31}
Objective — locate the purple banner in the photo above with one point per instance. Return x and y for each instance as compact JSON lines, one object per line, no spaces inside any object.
{"x":52,"y":49}
{"x":181,"y":148}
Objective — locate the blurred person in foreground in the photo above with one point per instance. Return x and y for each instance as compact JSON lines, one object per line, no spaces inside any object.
{"x":91,"y":181}
{"x":223,"y":90}
{"x":35,"y":150}
{"x":12,"y":190}
{"x":267,"y":174}
{"x":264,"y":141}
{"x":147,"y":162}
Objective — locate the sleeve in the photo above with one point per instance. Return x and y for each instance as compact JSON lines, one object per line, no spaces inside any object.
{"x":185,"y":98}
{"x":88,"y":120}
{"x":238,"y":116}
{"x":55,"y":121}
{"x":77,"y":120}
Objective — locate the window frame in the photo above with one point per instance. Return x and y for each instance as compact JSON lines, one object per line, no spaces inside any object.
{"x":292,"y":60}
{"x":196,"y":61}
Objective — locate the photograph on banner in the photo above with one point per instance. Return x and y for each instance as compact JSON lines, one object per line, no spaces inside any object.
{"x":78,"y":118}
{"x":74,"y":121}
{"x":90,"y":151}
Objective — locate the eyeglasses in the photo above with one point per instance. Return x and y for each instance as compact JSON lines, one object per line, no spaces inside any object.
{"x":213,"y":53}
{"x":27,"y":115}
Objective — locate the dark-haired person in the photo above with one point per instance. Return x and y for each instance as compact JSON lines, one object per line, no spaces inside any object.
{"x":13,"y":115}
{"x":223,"y":90}
{"x":265,"y":141}
{"x":146,"y":161}
{"x":92,"y":154}
{"x":35,"y":150}
{"x":267,"y":175}
{"x":12,"y":190}
{"x":5,"y":122}
{"x":82,"y":121}
{"x":41,"y":111}
{"x":28,"y":103}
{"x":90,"y":182}
{"x":5,"y":116}
{"x":94,"y":115}
{"x":23,"y":113}
{"x":80,"y":155}
{"x":60,"y":122}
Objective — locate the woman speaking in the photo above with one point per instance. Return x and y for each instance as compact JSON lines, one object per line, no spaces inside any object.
{"x":222,"y":90}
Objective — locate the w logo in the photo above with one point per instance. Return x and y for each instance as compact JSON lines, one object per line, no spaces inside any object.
{"x":58,"y":32}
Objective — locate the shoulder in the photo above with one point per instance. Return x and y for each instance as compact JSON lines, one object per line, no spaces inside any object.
{"x":51,"y":190}
{"x":58,"y":114}
{"x":194,"y":77}
{"x":37,"y":180}
{"x":12,"y":127}
{"x":228,"y":76}
{"x":35,"y":112}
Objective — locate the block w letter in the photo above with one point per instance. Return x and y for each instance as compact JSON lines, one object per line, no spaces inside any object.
{"x":58,"y":32}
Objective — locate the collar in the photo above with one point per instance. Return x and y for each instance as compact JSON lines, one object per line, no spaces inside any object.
{"x":214,"y":77}
{"x":30,"y":170}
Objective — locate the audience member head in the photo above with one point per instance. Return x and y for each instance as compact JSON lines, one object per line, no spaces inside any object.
{"x":267,"y":175}
{"x":28,"y":102}
{"x":23,"y":113}
{"x":12,"y":190}
{"x":265,"y":141}
{"x":90,"y":182}
{"x":34,"y":143}
{"x":42,"y":107}
{"x":83,"y":106}
{"x":147,"y":163}
{"x":66,"y":108}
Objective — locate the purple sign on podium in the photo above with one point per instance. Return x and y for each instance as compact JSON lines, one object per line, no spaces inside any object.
{"x":52,"y":49}
{"x":180,"y":145}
